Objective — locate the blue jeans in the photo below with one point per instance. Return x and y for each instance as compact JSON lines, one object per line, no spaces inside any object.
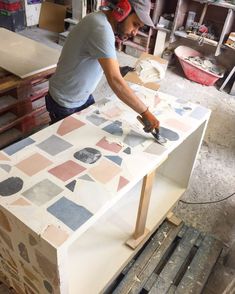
{"x":58,"y":112}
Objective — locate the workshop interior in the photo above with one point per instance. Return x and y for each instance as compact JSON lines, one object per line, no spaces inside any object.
{"x":117,"y":146}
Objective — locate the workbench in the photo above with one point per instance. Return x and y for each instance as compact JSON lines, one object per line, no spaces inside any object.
{"x":73,"y":207}
{"x":25,"y":67}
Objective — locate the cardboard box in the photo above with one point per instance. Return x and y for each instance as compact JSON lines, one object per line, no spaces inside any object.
{"x":133,"y":77}
{"x":52,"y":17}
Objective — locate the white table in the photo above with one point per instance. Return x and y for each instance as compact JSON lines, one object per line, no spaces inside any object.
{"x":69,"y":194}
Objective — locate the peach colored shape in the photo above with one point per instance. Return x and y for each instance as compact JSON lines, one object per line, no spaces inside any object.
{"x":67,"y":170}
{"x":21,"y":202}
{"x":4,"y":157}
{"x":55,"y":235}
{"x":122,"y":182}
{"x":68,"y":125}
{"x":177,"y":124}
{"x":114,"y":147}
{"x":155,"y":148}
{"x":105,"y":171}
{"x":84,"y":111}
{"x":33,"y":164}
{"x":157,"y":100}
{"x":112,"y":112}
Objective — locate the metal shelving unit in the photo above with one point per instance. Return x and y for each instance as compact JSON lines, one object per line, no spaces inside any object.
{"x":202,"y":9}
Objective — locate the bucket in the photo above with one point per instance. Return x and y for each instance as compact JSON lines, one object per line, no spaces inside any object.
{"x":192,"y":71}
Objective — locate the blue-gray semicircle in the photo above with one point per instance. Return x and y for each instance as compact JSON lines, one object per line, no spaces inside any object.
{"x":11,"y":186}
{"x":168,"y":134}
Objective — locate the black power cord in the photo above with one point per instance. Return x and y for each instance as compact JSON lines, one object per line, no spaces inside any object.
{"x":209,"y":202}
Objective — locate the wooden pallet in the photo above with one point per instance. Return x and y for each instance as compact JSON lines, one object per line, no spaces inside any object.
{"x":176,"y":259}
{"x":22,"y":105}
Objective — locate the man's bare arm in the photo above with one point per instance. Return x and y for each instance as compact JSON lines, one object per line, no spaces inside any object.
{"x":124,"y":92}
{"x":119,"y":85}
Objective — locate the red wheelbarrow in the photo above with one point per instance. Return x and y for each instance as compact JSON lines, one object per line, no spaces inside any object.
{"x":192,"y":71}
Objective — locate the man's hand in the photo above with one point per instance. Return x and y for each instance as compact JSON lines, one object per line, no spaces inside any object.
{"x":150,"y":121}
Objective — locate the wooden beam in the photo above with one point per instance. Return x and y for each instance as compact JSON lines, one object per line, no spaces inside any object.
{"x":140,"y":229}
{"x":144,"y":204}
{"x":203,"y":13}
{"x":173,"y":219}
{"x":12,"y":81}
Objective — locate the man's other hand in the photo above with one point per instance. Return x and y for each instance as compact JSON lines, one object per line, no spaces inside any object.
{"x":125,"y":69}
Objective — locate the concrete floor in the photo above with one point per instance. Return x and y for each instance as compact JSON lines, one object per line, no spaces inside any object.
{"x":214,"y":174}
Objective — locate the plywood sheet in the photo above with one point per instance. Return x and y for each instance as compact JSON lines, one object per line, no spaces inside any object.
{"x":25,"y":57}
{"x":52,"y":17}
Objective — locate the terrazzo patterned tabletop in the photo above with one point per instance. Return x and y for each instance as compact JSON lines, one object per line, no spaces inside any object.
{"x":56,"y":183}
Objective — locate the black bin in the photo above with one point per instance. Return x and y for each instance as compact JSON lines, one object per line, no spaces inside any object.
{"x":12,"y":20}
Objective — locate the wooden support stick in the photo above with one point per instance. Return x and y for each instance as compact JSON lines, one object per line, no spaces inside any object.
{"x":144,"y":204}
{"x":140,"y":229}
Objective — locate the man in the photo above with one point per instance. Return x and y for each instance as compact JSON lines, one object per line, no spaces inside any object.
{"x":88,"y":52}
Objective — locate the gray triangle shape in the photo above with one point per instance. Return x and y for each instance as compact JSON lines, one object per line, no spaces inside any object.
{"x":86,"y":178}
{"x":71,"y":185}
{"x":127,"y":150}
{"x":6,"y":167}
